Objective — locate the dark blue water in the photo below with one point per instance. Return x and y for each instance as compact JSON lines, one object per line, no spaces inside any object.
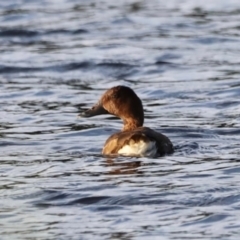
{"x":58,"y":57}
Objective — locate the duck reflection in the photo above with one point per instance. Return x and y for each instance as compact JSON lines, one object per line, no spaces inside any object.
{"x":122,"y":167}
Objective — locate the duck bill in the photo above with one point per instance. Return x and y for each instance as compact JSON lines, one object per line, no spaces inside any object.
{"x":97,"y":109}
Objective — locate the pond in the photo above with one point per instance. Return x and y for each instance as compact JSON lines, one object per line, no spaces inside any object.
{"x":58,"y":58}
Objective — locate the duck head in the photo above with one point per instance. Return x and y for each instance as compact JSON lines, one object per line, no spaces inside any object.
{"x":122,"y":102}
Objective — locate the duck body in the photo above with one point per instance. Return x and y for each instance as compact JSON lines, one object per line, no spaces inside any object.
{"x":134,"y":139}
{"x":142,"y":142}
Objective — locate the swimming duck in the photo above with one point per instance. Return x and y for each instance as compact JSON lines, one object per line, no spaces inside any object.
{"x":134,"y":139}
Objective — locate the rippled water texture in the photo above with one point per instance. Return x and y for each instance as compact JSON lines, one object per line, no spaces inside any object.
{"x":58,"y":57}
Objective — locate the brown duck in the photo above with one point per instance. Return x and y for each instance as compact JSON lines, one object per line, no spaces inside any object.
{"x":134,"y":139}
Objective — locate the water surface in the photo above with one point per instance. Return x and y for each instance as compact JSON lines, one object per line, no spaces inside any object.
{"x":57,"y":58}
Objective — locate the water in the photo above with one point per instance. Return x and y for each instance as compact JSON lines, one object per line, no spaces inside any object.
{"x":57,"y":58}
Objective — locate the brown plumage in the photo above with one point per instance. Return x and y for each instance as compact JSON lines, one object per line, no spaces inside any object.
{"x":123,"y":102}
{"x":115,"y":142}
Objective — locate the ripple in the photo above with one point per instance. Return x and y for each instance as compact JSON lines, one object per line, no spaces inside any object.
{"x":57,"y":59}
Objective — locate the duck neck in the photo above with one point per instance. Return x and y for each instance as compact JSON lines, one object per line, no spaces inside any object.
{"x":132,"y":124}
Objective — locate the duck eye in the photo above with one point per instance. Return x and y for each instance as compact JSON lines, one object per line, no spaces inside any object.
{"x":116,"y":95}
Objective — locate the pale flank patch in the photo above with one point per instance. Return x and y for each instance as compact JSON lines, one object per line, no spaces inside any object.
{"x":142,"y":149}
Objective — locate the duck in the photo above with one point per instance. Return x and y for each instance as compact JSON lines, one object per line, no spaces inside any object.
{"x":134,"y":140}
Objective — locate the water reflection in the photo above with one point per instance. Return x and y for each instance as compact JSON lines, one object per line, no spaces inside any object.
{"x":129,"y":167}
